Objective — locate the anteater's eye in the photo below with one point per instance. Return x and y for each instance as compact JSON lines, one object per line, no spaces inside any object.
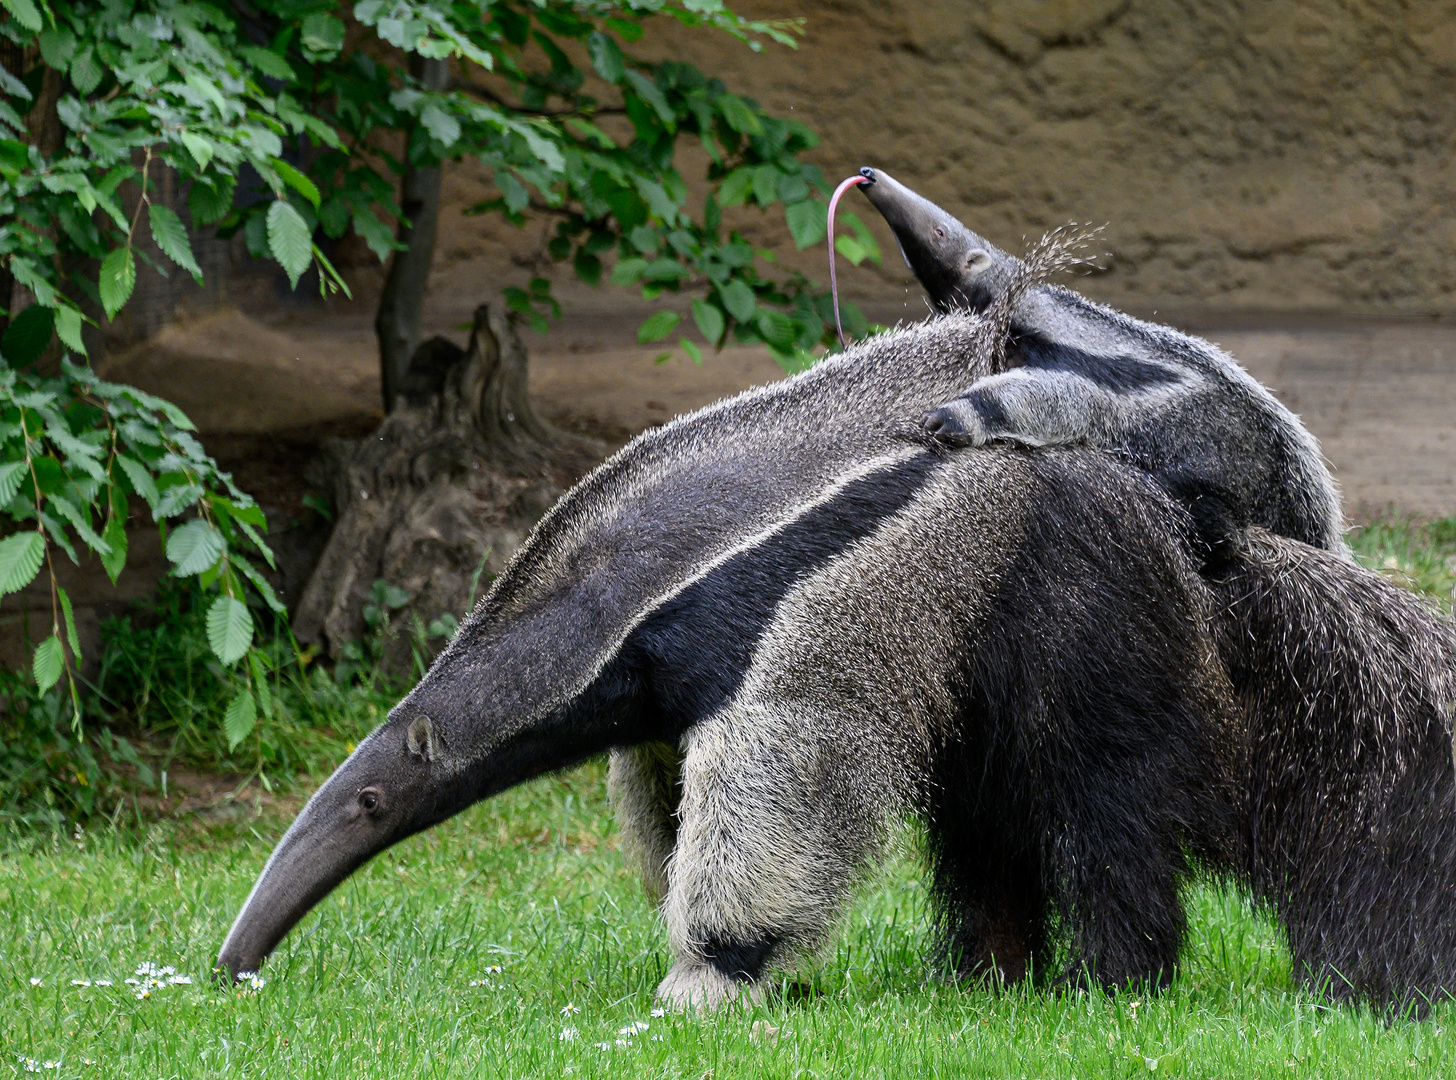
{"x":940,"y":232}
{"x":369,"y":800}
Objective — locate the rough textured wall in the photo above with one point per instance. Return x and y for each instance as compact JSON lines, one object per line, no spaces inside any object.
{"x":1277,"y":155}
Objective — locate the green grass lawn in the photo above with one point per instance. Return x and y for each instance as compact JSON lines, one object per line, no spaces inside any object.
{"x":512,"y":942}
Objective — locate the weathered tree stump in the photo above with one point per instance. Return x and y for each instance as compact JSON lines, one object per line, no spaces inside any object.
{"x":442,"y":494}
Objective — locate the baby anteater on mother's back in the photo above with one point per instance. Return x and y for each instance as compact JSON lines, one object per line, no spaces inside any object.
{"x":1075,"y":371}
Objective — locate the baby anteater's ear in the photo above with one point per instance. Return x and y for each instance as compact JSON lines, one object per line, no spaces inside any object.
{"x":978,"y":260}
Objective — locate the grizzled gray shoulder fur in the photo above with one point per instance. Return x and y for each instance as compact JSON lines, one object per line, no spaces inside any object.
{"x":1069,"y":370}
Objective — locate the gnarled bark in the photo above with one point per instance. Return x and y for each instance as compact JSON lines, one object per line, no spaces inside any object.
{"x":443,"y":492}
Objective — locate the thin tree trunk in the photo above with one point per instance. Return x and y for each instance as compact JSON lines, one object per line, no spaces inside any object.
{"x":397,"y":323}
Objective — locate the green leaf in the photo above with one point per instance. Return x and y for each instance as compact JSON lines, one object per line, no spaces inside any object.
{"x":648,"y":91}
{"x":777,"y":329}
{"x":171,"y":236}
{"x":229,"y":628}
{"x":851,"y":249}
{"x":238,"y":721}
{"x":766,"y":184}
{"x":296,"y":180}
{"x":70,"y":616}
{"x":86,"y":71}
{"x":57,"y":47}
{"x":27,"y":15}
{"x":199,"y":148}
{"x":80,"y":521}
{"x":738,"y":114}
{"x":691,"y":349}
{"x":658,"y":326}
{"x":27,"y":336}
{"x":268,"y":63}
{"x":141,"y":481}
{"x":194,"y":547}
{"x":259,"y":582}
{"x":48,"y":663}
{"x":807,"y":222}
{"x":68,"y":328}
{"x":710,"y":321}
{"x":11,"y":474}
{"x":260,"y":683}
{"x":628,"y":271}
{"x":14,"y":157}
{"x":322,"y":35}
{"x":289,"y":239}
{"x":738,"y":299}
{"x":118,"y":278}
{"x":736,"y":186}
{"x":440,"y":124}
{"x":629,"y":30}
{"x":605,"y":56}
{"x":115,"y":536}
{"x":20,"y":559}
{"x":210,"y":202}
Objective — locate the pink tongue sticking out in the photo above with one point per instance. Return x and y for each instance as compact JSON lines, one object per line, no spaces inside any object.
{"x":833,"y":280}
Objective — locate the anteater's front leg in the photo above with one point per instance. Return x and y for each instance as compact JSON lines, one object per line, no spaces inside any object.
{"x":771,"y":834}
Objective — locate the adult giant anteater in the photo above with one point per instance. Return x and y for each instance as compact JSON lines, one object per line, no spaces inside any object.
{"x":786,"y":628}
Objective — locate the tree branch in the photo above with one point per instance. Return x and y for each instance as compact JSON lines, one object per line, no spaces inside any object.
{"x":550,"y":114}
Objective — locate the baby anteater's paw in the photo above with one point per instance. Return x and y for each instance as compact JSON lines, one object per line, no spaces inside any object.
{"x":954,"y":424}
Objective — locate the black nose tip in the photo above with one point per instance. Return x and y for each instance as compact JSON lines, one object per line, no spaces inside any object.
{"x":937,"y":421}
{"x":868,"y":174}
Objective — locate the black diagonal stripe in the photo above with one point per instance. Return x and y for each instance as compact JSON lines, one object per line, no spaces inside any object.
{"x":696,"y":648}
{"x":1120,"y":374}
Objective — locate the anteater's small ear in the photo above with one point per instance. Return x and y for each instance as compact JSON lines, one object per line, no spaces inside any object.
{"x":978,"y":260}
{"x":420,"y":738}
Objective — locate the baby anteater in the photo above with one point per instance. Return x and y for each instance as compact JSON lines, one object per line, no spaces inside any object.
{"x":1072,"y":371}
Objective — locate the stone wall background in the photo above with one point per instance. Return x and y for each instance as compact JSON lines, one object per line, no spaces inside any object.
{"x":1274,"y":155}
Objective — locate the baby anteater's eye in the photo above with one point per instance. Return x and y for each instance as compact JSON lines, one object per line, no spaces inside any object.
{"x":369,"y":800}
{"x":940,"y":232}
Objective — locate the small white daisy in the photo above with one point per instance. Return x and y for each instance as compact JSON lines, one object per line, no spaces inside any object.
{"x":568,"y":1034}
{"x":35,"y":980}
{"x":570,"y":1009}
{"x":658,"y":1013}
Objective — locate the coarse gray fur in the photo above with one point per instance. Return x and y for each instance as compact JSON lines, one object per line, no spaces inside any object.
{"x":637,"y":531}
{"x":785,"y":629}
{"x":1076,"y":371}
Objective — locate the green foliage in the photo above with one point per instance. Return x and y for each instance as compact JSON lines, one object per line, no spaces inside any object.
{"x":282,"y":92}
{"x":82,"y":454}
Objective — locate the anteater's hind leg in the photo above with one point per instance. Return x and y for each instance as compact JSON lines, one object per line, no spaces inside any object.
{"x":990,"y":904}
{"x":775,"y":822}
{"x":644,"y":784}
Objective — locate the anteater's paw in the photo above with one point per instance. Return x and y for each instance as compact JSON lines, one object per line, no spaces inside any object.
{"x":691,"y":987}
{"x":947,"y":426}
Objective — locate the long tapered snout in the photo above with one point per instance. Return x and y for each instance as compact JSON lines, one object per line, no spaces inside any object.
{"x":958,"y":268}
{"x":380,"y":795}
{"x":913,"y":218}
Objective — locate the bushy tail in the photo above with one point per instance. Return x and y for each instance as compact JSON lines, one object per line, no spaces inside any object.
{"x":1347,"y":681}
